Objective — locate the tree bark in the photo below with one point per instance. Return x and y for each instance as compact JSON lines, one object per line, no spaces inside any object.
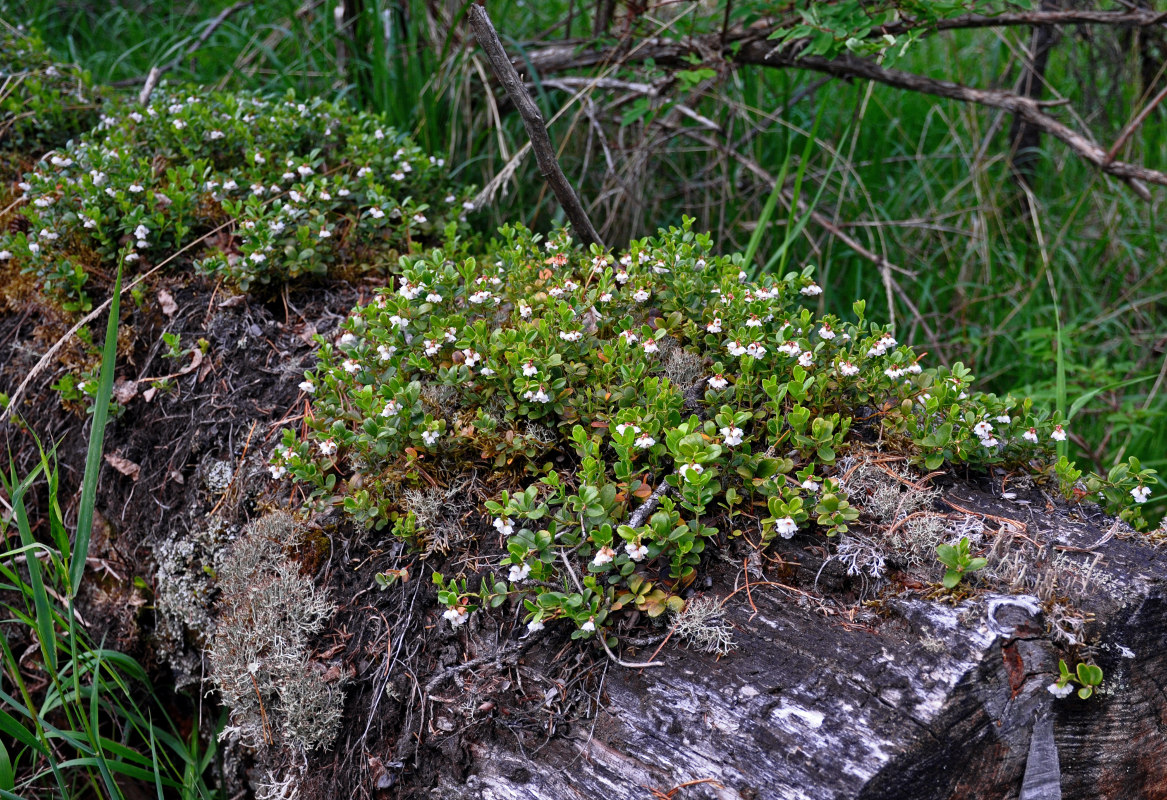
{"x":938,"y":701}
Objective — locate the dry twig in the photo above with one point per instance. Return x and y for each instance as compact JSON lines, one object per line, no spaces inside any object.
{"x":549,"y":167}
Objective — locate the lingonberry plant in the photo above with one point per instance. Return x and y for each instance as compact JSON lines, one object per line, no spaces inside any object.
{"x":293,"y":188}
{"x":619,"y":402}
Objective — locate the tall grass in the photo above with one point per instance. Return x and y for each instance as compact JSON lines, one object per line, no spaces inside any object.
{"x":77,"y":718}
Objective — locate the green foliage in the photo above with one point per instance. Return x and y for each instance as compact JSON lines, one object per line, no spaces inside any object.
{"x":43,"y":103}
{"x":287,"y":188}
{"x":959,"y":562}
{"x":1087,"y":676}
{"x":541,"y":349}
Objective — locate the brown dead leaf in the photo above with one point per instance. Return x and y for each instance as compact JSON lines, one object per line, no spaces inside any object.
{"x":148,"y":395}
{"x":166,"y":301}
{"x":124,"y":391}
{"x":123,"y":465}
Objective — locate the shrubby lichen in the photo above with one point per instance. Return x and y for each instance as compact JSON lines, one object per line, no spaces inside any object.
{"x":268,"y":615}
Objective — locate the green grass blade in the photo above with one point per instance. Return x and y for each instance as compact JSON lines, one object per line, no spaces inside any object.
{"x":96,"y":442}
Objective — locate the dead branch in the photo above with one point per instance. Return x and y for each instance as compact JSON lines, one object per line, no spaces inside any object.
{"x":754,"y":48}
{"x":549,"y":167}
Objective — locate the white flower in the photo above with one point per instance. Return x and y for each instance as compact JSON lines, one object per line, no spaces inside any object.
{"x":259,"y":159}
{"x":481,"y":297}
{"x":982,"y":429}
{"x":467,"y":205}
{"x":399,"y":322}
{"x":570,"y":336}
{"x":419,"y":218}
{"x":308,"y":386}
{"x":641,"y":295}
{"x":650,"y":346}
{"x":621,"y":277}
{"x":343,"y":192}
{"x":376,"y":213}
{"x":535,"y":625}
{"x":715,"y":326}
{"x":755,"y":350}
{"x":351,"y":366}
{"x":718,"y":382}
{"x":623,"y":426}
{"x":691,"y":467}
{"x":289,"y":176}
{"x":786,"y":527}
{"x":471,"y":357}
{"x":1060,"y":691}
{"x":324,"y":233}
{"x":811,"y":290}
{"x":278,"y":471}
{"x":524,"y":310}
{"x":733,"y":435}
{"x":806,"y":359}
{"x":644,"y":442}
{"x":1059,"y":434}
{"x":305,"y":170}
{"x":1004,"y":419}
{"x":327,"y":447}
{"x":604,"y":556}
{"x":409,"y":290}
{"x":230,"y":185}
{"x":848,"y":369}
{"x":1030,"y":435}
{"x":179,"y":124}
{"x":378,"y":134}
{"x":629,"y":337}
{"x":826,"y":332}
{"x":753,"y":321}
{"x":530,"y":370}
{"x":456,"y":616}
{"x":386,"y":351}
{"x":519,"y":573}
{"x":606,"y":297}
{"x":504,"y":526}
{"x":429,"y":437}
{"x":990,"y":442}
{"x":811,"y":485}
{"x":391,"y":409}
{"x":363,"y":171}
{"x":1141,"y":493}
{"x":486,"y":371}
{"x":5,"y":255}
{"x":431,"y":347}
{"x":735,"y":348}
{"x":347,"y":339}
{"x":877,"y":350}
{"x":790,"y":348}
{"x":588,"y":626}
{"x":130,"y":257}
{"x":134,"y":187}
{"x":258,"y":258}
{"x":635,"y":551}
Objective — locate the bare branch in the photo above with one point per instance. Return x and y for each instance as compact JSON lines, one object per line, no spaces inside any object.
{"x":504,"y":70}
{"x":753,"y":47}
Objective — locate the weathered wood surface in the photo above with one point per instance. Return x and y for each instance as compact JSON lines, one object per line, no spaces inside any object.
{"x":938,"y":701}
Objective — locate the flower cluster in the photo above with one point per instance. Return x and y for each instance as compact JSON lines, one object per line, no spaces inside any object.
{"x":266,"y":189}
{"x":658,"y":361}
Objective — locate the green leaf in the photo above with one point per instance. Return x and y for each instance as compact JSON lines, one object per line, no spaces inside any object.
{"x":947,"y":554}
{"x":951,"y":578}
{"x":1085,"y":692}
{"x":96,"y":441}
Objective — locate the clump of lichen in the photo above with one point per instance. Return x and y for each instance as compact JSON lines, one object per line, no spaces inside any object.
{"x":187,"y":568}
{"x":703,"y":624}
{"x":260,"y":658}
